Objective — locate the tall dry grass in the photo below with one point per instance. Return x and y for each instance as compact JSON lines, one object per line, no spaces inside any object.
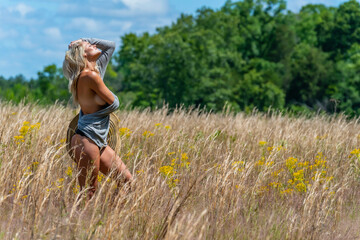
{"x":197,"y":176}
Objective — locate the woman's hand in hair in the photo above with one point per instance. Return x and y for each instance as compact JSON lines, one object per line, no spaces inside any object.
{"x":73,"y":42}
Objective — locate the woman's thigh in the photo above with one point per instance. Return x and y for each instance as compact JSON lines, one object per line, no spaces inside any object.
{"x":109,"y":160}
{"x":84,"y":148}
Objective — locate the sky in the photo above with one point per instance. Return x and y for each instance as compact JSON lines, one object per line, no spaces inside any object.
{"x":36,"y":33}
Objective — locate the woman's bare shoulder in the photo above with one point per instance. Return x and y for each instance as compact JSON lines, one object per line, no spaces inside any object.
{"x":90,"y":76}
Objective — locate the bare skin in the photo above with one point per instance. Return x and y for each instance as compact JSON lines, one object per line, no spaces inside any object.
{"x":93,"y":95}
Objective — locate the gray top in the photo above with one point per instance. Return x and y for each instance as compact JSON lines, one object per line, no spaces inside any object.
{"x":96,"y":125}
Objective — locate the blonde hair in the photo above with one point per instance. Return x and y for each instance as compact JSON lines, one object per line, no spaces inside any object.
{"x":73,"y":65}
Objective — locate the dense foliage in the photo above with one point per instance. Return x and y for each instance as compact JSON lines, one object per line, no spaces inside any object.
{"x":249,"y":53}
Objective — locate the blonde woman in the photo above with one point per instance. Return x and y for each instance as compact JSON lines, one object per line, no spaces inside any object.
{"x":84,"y":66}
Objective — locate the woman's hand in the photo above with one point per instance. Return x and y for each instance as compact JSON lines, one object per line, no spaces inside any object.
{"x":73,"y":42}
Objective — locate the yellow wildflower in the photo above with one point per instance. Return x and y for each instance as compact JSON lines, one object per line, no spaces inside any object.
{"x":355,"y":152}
{"x":276,"y":173}
{"x":290,"y":163}
{"x":299,"y":175}
{"x":100,"y":177}
{"x":167,"y":171}
{"x":279,"y":148}
{"x":287,"y":191}
{"x":76,"y":189}
{"x":260,"y":162}
{"x":148,"y":134}
{"x":184,"y":156}
{"x":69,"y":171}
{"x":274,"y":184}
{"x":238,"y":163}
{"x":301,"y":187}
{"x":24,"y":130}
{"x":19,"y":139}
{"x":270,"y":163}
{"x":125,"y":132}
{"x":262,"y":143}
{"x":35,"y":126}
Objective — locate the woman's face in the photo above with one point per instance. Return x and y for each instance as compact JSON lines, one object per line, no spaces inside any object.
{"x":91,"y":51}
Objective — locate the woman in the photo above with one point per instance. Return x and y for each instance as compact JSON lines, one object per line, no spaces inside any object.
{"x":84,"y":66}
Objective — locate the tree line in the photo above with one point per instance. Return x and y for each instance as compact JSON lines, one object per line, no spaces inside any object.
{"x":248,"y":54}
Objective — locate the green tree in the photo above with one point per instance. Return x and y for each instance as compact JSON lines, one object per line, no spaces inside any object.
{"x":312,"y":73}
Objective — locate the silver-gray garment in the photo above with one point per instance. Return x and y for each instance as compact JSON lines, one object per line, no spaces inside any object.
{"x":96,"y":125}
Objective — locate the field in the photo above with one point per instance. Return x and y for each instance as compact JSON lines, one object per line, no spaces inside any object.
{"x":197,"y":176}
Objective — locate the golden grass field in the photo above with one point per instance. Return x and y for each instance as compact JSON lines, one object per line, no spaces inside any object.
{"x":197,"y":176}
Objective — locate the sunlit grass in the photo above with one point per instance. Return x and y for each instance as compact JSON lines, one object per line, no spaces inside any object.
{"x":197,"y":176}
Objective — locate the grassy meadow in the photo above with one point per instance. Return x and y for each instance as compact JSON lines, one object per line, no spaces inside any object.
{"x":196,"y":176}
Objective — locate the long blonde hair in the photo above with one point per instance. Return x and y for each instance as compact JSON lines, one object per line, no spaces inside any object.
{"x":73,"y":65}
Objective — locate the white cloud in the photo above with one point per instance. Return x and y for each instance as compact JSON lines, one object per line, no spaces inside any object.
{"x":148,"y":6}
{"x":84,"y":24}
{"x":53,"y":33}
{"x":22,"y":8}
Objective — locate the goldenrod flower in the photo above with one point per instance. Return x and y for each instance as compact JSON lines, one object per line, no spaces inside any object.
{"x":76,"y":189}
{"x":167,"y":171}
{"x":301,"y":187}
{"x":287,"y":191}
{"x":260,"y":162}
{"x":69,"y":171}
{"x":148,"y":134}
{"x":262,"y":143}
{"x":270,"y":163}
{"x":35,"y":126}
{"x":291,"y":163}
{"x":100,"y":177}
{"x":184,"y":156}
{"x":19,"y":138}
{"x":24,"y":130}
{"x":125,"y":132}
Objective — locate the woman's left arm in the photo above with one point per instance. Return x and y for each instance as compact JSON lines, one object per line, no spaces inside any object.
{"x":107,"y":48}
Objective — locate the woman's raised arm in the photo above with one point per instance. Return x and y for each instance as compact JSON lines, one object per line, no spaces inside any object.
{"x":107,"y":48}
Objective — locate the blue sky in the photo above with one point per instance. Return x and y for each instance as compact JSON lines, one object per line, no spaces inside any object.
{"x":35,"y":33}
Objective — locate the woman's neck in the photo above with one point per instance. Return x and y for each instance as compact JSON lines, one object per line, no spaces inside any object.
{"x":90,"y":65}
